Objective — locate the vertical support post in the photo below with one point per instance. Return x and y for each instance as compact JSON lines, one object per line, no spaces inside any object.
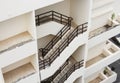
{"x":43,"y":64}
{"x":49,"y":61}
{"x":42,"y":52}
{"x":58,"y":51}
{"x":38,"y":20}
{"x":77,"y":31}
{"x":61,"y":34}
{"x":61,"y":18}
{"x":52,"y":15}
{"x":52,"y":43}
{"x":67,"y":41}
{"x":82,"y":27}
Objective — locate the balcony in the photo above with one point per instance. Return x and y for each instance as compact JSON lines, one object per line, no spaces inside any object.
{"x":20,"y":70}
{"x":18,"y":32}
{"x":96,"y":59}
{"x":106,"y":76}
{"x":15,"y":41}
{"x":103,"y":33}
{"x":108,"y":55}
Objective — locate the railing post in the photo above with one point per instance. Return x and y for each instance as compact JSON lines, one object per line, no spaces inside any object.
{"x":66,"y":76}
{"x":68,"y":41}
{"x":59,"y":50}
{"x":74,"y":67}
{"x":67,"y":61}
{"x":38,"y":20}
{"x":42,"y":52}
{"x":82,"y":27}
{"x":60,"y":34}
{"x":52,"y":15}
{"x":77,"y":30}
{"x":52,"y":43}
{"x":69,"y":21}
{"x":49,"y":61}
{"x":43,"y":64}
{"x":61,"y":18}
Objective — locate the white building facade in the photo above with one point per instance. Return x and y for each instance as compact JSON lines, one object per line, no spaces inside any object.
{"x":58,"y":41}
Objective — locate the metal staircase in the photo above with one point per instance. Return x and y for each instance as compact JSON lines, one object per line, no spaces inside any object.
{"x":61,"y":40}
{"x":64,"y":72}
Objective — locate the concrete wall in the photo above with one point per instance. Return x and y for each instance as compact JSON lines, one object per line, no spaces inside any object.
{"x":78,"y":80}
{"x":17,"y":54}
{"x":17,"y":25}
{"x":79,"y":10}
{"x":48,"y":28}
{"x":100,"y":21}
{"x":95,"y":51}
{"x":1,"y":77}
{"x":103,"y":37}
{"x":79,"y":53}
{"x":93,"y":76}
{"x":30,"y":19}
{"x":33,"y":61}
{"x":16,"y":64}
{"x":117,"y":6}
{"x":101,"y":13}
{"x":17,"y":7}
{"x":13,"y":26}
{"x":62,"y":7}
{"x":42,"y":42}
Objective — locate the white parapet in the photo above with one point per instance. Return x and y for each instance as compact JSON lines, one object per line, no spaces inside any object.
{"x":109,"y":54}
{"x":103,"y":36}
{"x":105,"y":75}
{"x":17,"y":54}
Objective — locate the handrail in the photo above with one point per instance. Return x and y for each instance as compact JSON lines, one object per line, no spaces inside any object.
{"x":50,"y":45}
{"x":74,"y":67}
{"x":53,"y":16}
{"x":57,"y":72}
{"x":47,"y":62}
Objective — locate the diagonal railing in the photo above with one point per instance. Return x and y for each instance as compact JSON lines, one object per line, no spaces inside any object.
{"x":74,"y":67}
{"x":78,"y":30}
{"x":50,"y":79}
{"x":53,"y":16}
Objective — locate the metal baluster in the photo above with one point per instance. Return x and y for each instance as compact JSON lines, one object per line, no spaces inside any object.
{"x":43,"y":64}
{"x":82,"y":28}
{"x":38,"y":20}
{"x":61,"y":18}
{"x":52,"y":15}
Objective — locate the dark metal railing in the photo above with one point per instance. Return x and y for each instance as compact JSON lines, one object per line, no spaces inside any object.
{"x":53,"y":16}
{"x":76,"y":66}
{"x":50,"y":79}
{"x":59,"y":35}
{"x":47,"y":62}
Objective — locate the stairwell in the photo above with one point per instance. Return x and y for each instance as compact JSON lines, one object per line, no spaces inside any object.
{"x":64,"y":37}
